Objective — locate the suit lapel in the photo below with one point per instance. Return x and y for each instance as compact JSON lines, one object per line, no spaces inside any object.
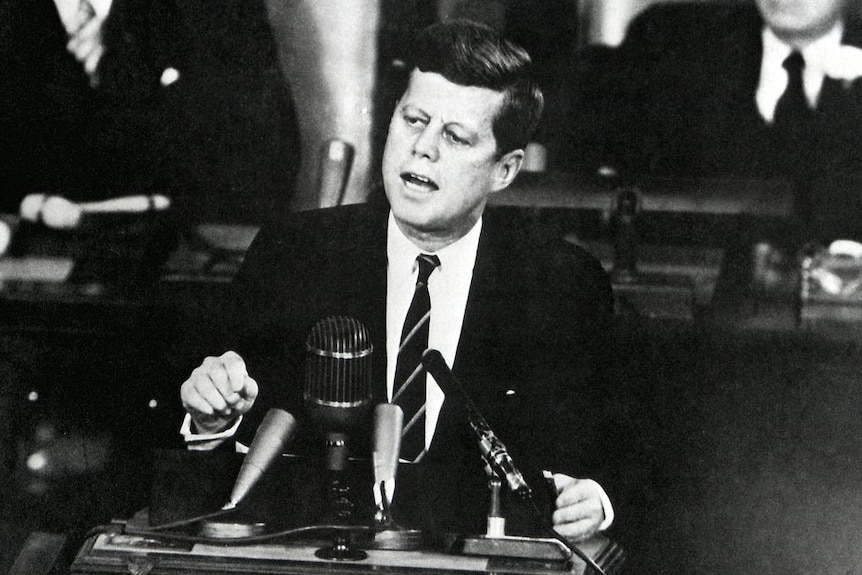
{"x":853,"y":33}
{"x":484,"y":333}
{"x":366,"y":264}
{"x":742,"y":52}
{"x":482,"y":316}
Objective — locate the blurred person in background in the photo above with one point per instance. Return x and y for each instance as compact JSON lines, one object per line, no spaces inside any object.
{"x":108,"y":98}
{"x":763,"y":89}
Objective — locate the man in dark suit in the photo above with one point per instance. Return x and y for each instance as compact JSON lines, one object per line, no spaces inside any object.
{"x":694,"y":88}
{"x":524,"y":321}
{"x":137,"y":97}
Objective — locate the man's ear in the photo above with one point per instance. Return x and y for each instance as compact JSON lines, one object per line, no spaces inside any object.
{"x":507,"y":168}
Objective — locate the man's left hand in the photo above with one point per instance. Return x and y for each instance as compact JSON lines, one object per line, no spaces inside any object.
{"x":579,"y":511}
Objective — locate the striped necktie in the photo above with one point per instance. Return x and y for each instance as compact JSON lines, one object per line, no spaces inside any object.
{"x":409,"y":382}
{"x":83,"y":15}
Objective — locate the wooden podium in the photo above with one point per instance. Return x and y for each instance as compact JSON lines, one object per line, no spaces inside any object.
{"x":115,"y":551}
{"x":282,"y":524}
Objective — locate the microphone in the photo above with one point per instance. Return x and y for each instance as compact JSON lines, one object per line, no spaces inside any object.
{"x":276,"y":430}
{"x":336,"y":160}
{"x":388,"y":423}
{"x":386,"y":444}
{"x":337,"y":390}
{"x":495,"y":454}
{"x":337,"y":396}
{"x":500,"y":462}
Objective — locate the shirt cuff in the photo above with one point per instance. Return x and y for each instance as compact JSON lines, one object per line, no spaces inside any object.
{"x":606,"y":506}
{"x":205,"y":441}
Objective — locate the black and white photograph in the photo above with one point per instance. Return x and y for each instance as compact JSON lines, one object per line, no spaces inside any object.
{"x":421,"y":287}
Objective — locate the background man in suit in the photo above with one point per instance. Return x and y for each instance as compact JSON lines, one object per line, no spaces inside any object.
{"x":524,"y":321}
{"x":694,"y":88}
{"x":115,"y":97}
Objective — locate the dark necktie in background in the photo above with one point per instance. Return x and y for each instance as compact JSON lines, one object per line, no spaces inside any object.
{"x":792,"y":110}
{"x":409,"y":384}
{"x":793,"y":123}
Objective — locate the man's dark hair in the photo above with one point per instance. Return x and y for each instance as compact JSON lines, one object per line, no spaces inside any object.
{"x":472,"y":54}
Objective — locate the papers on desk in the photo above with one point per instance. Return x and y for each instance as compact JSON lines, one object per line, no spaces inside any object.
{"x":36,"y":269}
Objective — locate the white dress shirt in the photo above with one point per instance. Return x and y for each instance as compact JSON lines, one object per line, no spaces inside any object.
{"x":773,"y":76}
{"x":68,"y":10}
{"x":448,"y":287}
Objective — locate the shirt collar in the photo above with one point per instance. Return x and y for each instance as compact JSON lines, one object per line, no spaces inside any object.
{"x":101,"y":7}
{"x":401,"y":252}
{"x":816,"y":53}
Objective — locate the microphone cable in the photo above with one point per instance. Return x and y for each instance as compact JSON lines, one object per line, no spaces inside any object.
{"x":192,"y":520}
{"x":253,"y":539}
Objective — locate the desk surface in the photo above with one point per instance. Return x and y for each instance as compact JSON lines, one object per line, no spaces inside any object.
{"x":59,"y":293}
{"x":763,"y":198}
{"x":114,"y":550}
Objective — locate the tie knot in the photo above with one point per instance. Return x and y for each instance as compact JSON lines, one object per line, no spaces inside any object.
{"x":86,"y":12}
{"x":427,"y":264}
{"x":794,"y":64}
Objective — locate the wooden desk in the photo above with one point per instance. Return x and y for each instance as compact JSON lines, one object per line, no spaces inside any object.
{"x":760,"y":198}
{"x":115,"y":552}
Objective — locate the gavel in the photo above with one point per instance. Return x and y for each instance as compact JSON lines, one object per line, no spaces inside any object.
{"x":59,"y":213}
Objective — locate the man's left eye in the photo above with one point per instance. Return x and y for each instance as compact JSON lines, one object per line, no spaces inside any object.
{"x":456,"y":139}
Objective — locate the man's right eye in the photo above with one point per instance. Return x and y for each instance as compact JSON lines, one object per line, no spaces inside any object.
{"x":412,"y":120}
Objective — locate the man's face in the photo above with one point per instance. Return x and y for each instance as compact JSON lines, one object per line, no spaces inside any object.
{"x":440,"y":165}
{"x":801,"y":20}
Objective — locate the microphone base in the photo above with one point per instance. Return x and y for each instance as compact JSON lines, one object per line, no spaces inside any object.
{"x":515,"y":547}
{"x":230,"y":530}
{"x":341,"y":552}
{"x":398,"y":540}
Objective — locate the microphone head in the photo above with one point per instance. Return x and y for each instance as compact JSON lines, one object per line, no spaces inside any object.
{"x":273,"y":434}
{"x":388,"y":423}
{"x":336,"y":160}
{"x":436,"y":366}
{"x":338,"y":373}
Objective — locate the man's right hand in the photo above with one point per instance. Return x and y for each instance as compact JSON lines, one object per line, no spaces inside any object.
{"x":218,"y":391}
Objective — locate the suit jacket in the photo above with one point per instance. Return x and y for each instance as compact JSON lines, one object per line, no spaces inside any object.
{"x":533,"y":350}
{"x":222,"y":139}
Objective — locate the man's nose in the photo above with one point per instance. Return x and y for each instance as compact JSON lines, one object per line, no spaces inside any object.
{"x":427,"y":143}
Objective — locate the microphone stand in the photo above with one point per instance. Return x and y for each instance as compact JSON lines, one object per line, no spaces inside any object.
{"x":339,"y":503}
{"x":389,"y":534}
{"x":499,"y":465}
{"x":337,"y":396}
{"x":496,"y":543}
